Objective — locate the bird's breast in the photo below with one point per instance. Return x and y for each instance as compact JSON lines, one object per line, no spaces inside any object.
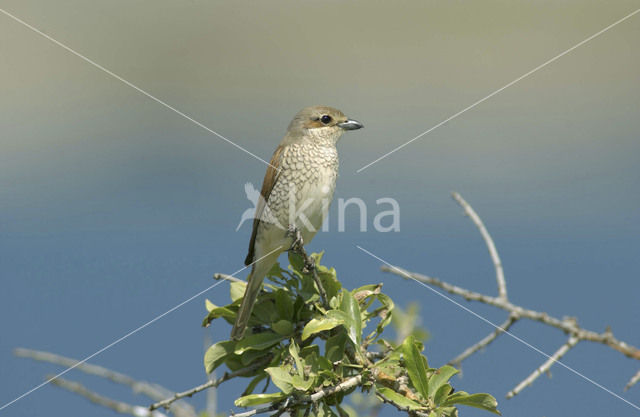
{"x":305,"y":185}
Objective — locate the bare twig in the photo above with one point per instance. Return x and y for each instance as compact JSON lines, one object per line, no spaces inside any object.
{"x":219,"y":276}
{"x":569,"y":325}
{"x":343,"y":386}
{"x":484,"y":342}
{"x":634,"y":379}
{"x":211,"y":407}
{"x":573,"y":340}
{"x":117,"y":406}
{"x":210,"y":384}
{"x":289,"y":403}
{"x":493,"y":252}
{"x":152,"y":391}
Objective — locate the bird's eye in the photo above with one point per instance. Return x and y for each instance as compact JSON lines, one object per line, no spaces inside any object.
{"x":326,"y":119}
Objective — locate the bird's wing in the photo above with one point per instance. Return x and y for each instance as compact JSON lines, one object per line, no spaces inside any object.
{"x":270,"y":178}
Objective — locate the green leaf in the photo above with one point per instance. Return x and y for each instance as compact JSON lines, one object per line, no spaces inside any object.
{"x":258,"y":341}
{"x":310,"y":350}
{"x":366,"y":291}
{"x":284,"y":304}
{"x":296,"y":261}
{"x":445,"y":412}
{"x":319,"y":325}
{"x":353,"y":322}
{"x":209,"y":305}
{"x":441,"y":394}
{"x":276,"y":271}
{"x":300,"y":383}
{"x":399,"y":399}
{"x":325,"y":410}
{"x":281,"y":378}
{"x":256,"y":399}
{"x":342,"y":412}
{"x":236,"y":290}
{"x":308,"y":289}
{"x":483,"y":401}
{"x":415,"y":366}
{"x":254,"y":382}
{"x":317,"y":256}
{"x":295,"y":354}
{"x":217,"y":354}
{"x":334,"y":348}
{"x":283,"y":327}
{"x":440,"y":377}
{"x":264,"y":312}
{"x":217,"y":312}
{"x":250,"y":356}
{"x":388,"y":313}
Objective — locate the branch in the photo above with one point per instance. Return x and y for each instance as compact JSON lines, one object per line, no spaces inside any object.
{"x":495,"y":258}
{"x":231,"y":278}
{"x":153,"y":391}
{"x":209,"y":384}
{"x":309,"y":263}
{"x":632,"y":381}
{"x":568,"y":325}
{"x":573,"y":340}
{"x":345,"y":385}
{"x":117,"y":406}
{"x":457,"y":361}
{"x":387,"y":400}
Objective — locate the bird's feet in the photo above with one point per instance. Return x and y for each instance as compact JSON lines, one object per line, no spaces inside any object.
{"x":298,"y":247}
{"x":309,"y":262}
{"x":298,"y":243}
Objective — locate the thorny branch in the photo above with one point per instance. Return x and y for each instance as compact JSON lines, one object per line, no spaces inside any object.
{"x":117,"y":406}
{"x":545,"y":366}
{"x":568,"y":325}
{"x":153,"y":391}
{"x":457,"y":361}
{"x":493,"y":252}
{"x":345,"y":385}
{"x":209,"y":384}
{"x":633,"y":380}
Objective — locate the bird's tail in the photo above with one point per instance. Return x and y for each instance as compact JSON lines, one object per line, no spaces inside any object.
{"x":254,"y":284}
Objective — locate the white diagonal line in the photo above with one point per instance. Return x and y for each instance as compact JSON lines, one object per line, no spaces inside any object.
{"x":132,"y":332}
{"x":500,"y":89}
{"x":529,"y":345}
{"x":130,"y":84}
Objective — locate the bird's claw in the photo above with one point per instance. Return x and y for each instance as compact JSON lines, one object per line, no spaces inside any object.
{"x":294,"y":233}
{"x":298,"y":247}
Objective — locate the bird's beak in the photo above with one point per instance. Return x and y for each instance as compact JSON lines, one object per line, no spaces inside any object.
{"x":351,"y":125}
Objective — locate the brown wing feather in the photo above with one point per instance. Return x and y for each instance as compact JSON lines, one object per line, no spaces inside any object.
{"x":270,"y":178}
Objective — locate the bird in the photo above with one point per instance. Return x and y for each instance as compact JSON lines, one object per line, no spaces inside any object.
{"x":296,"y":192}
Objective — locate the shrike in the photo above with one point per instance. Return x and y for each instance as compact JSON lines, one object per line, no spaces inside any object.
{"x":296,"y":192}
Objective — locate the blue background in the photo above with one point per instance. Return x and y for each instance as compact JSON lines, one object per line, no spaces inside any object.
{"x":114,"y":209}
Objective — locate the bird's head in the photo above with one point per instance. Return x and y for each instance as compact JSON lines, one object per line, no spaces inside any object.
{"x":320,"y":123}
